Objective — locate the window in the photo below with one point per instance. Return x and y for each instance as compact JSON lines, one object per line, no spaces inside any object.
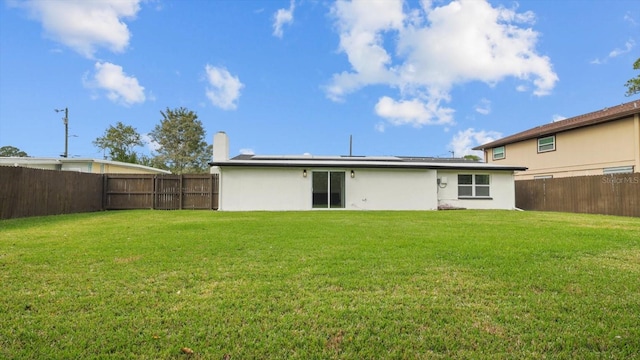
{"x":499,"y":153}
{"x":328,"y":189}
{"x":618,"y":170}
{"x":547,"y":144}
{"x":473,"y":186}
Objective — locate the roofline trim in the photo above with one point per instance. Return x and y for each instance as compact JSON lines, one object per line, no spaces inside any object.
{"x":366,"y":165}
{"x":547,"y":129}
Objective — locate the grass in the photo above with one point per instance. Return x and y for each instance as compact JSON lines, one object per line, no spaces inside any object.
{"x":320,"y":285}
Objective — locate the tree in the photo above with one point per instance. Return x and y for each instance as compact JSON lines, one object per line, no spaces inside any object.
{"x":472,"y":157}
{"x":180,"y":136}
{"x":633,"y":85}
{"x":120,"y":141}
{"x":11,"y":151}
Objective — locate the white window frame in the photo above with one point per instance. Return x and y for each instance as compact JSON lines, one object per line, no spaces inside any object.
{"x":618,"y":170}
{"x":475,"y":186}
{"x":499,"y":155}
{"x":541,"y":148}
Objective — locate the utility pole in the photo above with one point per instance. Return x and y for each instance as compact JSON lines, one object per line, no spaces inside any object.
{"x":66,"y":131}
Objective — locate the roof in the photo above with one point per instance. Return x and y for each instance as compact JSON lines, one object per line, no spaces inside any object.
{"x":597,"y":117}
{"x":370,"y":162}
{"x":34,"y":161}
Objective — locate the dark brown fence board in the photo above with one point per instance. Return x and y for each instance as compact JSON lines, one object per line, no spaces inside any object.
{"x":198,"y":192}
{"x":35,"y":192}
{"x":128,"y":191}
{"x":162,"y":192}
{"x":168,"y":192}
{"x":28,"y":192}
{"x":617,"y":194}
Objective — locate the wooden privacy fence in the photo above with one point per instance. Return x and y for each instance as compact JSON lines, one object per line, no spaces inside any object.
{"x":165,"y":192}
{"x":28,"y":192}
{"x":617,"y":194}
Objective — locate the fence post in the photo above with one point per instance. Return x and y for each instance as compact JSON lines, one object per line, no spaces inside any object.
{"x":180,"y":193}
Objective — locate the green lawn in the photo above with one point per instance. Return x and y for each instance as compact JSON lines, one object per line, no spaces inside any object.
{"x":320,"y":285}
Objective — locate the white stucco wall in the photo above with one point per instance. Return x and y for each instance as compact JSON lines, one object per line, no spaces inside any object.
{"x":246,"y":189}
{"x":502,"y":191}
{"x":380,"y":189}
{"x":278,"y":189}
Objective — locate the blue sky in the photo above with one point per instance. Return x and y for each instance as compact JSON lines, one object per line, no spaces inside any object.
{"x":414,"y":78}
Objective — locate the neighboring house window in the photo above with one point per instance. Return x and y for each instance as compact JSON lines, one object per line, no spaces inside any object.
{"x":547,"y":144}
{"x":499,"y":153}
{"x":618,"y":170}
{"x":473,"y":185}
{"x":328,"y":189}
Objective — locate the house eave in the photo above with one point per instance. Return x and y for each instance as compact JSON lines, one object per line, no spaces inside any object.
{"x":592,"y":119}
{"x":365,"y":165}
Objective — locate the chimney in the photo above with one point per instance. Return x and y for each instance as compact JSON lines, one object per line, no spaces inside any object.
{"x":220,"y":147}
{"x":220,"y":150}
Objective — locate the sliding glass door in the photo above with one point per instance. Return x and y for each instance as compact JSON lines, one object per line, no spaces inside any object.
{"x":328,"y":189}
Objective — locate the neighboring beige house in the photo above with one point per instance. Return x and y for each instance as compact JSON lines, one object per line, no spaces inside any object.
{"x":601,"y":142}
{"x":86,"y":165}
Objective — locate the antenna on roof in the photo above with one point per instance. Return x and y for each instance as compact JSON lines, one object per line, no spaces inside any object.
{"x":350,"y":145}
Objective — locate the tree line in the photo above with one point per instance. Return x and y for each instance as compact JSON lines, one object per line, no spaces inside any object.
{"x":178,"y":141}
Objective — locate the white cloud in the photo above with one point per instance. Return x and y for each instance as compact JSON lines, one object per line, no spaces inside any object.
{"x":361,"y":25}
{"x":85,"y":25}
{"x":434,"y":49}
{"x":224,"y":88}
{"x":628,"y":46}
{"x":413,"y":112}
{"x":464,"y":141}
{"x":282,"y":17}
{"x":557,"y":117}
{"x":628,"y":17}
{"x":483,"y":107}
{"x":148,"y":141}
{"x":120,"y":88}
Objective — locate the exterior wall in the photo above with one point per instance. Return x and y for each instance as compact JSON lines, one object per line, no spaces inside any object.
{"x":96,"y":167}
{"x":579,"y":152}
{"x":376,"y":189}
{"x":246,"y":189}
{"x":86,"y":166}
{"x":103,"y":168}
{"x":77,"y":166}
{"x":48,"y":166}
{"x":502,"y":191}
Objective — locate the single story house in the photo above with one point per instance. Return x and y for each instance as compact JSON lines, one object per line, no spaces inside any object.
{"x":86,"y":165}
{"x":601,"y":142}
{"x":305,"y":182}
